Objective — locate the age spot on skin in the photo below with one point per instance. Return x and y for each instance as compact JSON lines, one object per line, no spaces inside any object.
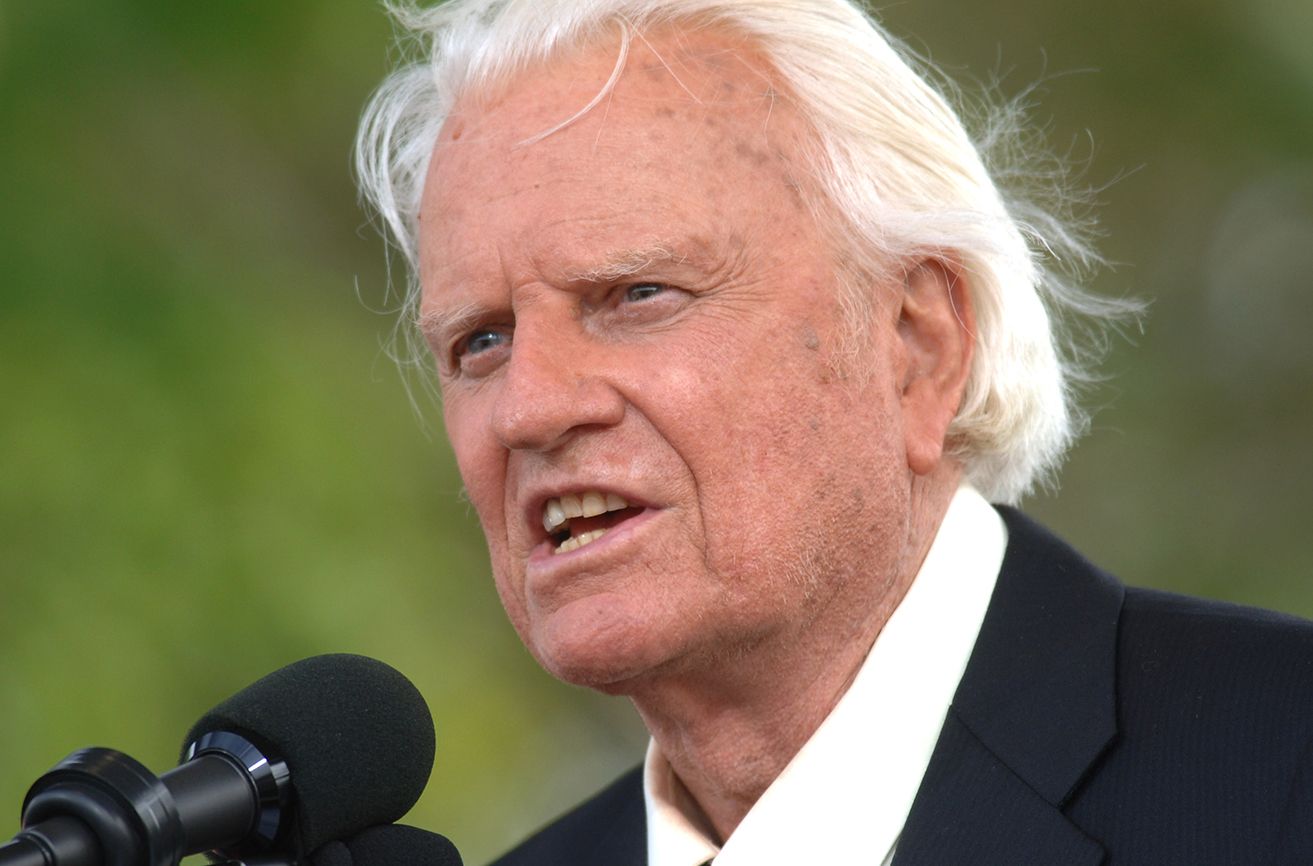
{"x":756,"y":155}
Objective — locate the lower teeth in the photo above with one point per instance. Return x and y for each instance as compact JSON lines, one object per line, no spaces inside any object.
{"x":578,"y":541}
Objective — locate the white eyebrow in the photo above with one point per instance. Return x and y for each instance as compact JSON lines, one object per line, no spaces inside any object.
{"x":439,"y":323}
{"x":624,"y":263}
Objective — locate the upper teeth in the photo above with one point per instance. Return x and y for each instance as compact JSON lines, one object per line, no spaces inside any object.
{"x":557,"y":511}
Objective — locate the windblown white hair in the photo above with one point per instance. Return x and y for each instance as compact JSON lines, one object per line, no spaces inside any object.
{"x":903,"y":178}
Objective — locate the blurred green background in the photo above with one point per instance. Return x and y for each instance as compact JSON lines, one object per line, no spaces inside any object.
{"x":209,"y":467}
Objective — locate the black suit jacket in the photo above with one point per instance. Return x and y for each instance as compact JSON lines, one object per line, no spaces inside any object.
{"x":1094,"y":724}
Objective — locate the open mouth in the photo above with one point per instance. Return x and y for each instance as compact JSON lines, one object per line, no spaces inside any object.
{"x":575,"y":520}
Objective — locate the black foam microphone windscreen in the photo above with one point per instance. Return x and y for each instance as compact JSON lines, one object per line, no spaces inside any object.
{"x":356,"y":736}
{"x":400,"y":845}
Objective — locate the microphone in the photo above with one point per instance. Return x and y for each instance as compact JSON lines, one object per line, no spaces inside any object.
{"x":319,"y":750}
{"x":390,"y":845}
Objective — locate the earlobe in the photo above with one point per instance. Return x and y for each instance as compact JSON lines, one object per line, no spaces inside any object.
{"x":936,"y":325}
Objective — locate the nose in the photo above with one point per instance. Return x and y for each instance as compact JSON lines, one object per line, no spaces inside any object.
{"x":553,"y":387}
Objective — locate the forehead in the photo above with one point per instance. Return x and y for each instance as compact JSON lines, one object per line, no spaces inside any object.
{"x":695,"y":140}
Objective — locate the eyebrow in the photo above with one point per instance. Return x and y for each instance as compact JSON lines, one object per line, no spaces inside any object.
{"x":440,"y":323}
{"x":624,"y":263}
{"x":613,"y":266}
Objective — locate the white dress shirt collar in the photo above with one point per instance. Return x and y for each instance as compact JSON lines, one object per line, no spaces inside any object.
{"x":850,"y":787}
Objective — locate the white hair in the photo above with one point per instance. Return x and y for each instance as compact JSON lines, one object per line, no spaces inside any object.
{"x":900,"y":174}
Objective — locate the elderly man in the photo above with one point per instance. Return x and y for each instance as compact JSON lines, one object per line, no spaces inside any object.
{"x":736,"y":340}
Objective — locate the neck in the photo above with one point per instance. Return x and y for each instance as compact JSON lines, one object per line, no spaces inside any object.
{"x":729,"y":727}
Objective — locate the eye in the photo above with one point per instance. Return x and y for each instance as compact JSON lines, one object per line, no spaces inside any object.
{"x":479,"y":352}
{"x":643,"y":291}
{"x":644,"y":304}
{"x":480,"y":341}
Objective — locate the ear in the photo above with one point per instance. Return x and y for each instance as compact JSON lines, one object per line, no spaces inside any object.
{"x":937,"y":327}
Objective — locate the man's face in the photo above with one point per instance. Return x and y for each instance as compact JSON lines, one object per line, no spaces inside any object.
{"x":638,"y":313}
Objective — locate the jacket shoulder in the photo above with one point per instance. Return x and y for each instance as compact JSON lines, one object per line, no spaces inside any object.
{"x":1206,"y":670}
{"x":1215,"y":742}
{"x":609,"y":829}
{"x":1212,"y":648}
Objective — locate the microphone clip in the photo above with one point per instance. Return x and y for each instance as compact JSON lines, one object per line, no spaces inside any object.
{"x":102,"y":806}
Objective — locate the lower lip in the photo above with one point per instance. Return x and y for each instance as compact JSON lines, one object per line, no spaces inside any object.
{"x":544,"y":556}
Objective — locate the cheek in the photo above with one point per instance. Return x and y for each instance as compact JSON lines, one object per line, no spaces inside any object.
{"x":482,"y":465}
{"x":480,"y":460}
{"x":801,"y":458}
{"x":745,"y":434}
{"x":509,"y":590}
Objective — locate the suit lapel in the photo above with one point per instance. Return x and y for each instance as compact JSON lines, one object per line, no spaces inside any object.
{"x":1035,"y":708}
{"x":622,"y":839}
{"x":972,"y":809}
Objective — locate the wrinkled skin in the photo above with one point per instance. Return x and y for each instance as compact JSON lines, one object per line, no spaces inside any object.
{"x":641,"y":304}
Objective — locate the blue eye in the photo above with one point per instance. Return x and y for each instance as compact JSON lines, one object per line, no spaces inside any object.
{"x":481,"y":341}
{"x":643,"y":291}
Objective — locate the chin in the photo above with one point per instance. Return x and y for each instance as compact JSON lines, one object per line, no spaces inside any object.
{"x":598,"y":647}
